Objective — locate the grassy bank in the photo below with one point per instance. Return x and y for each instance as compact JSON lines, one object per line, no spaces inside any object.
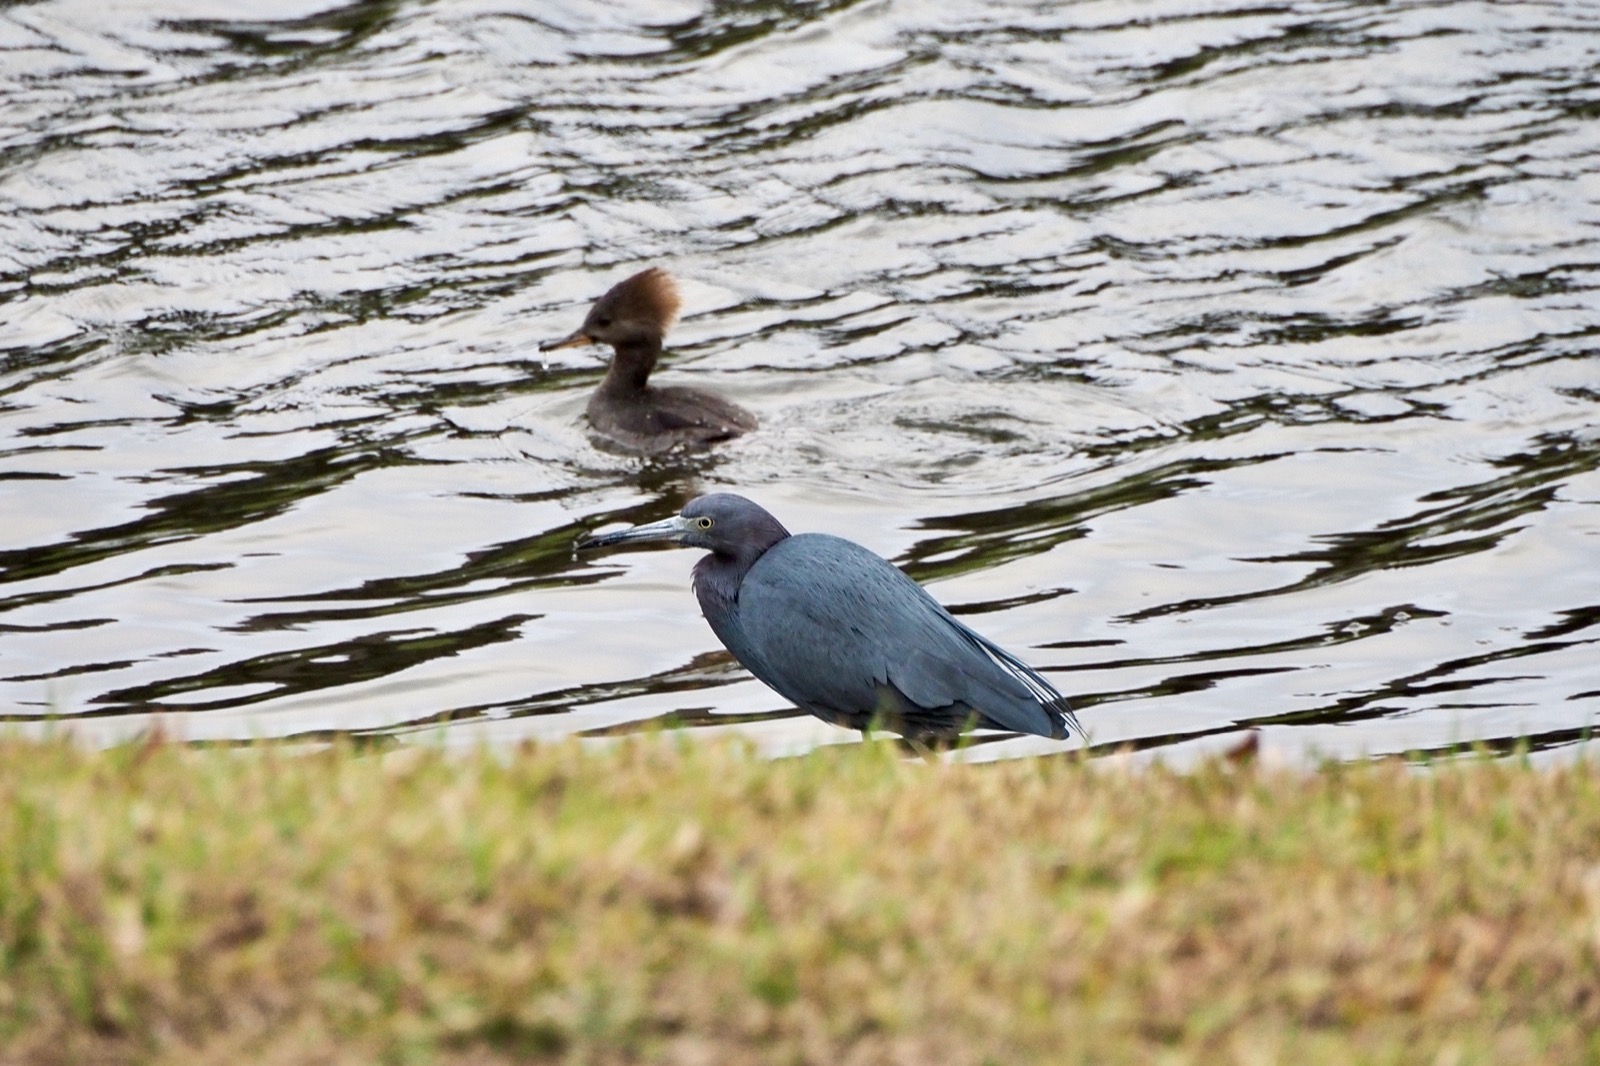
{"x":691,"y":903}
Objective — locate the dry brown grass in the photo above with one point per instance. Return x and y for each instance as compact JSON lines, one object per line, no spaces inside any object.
{"x":677,"y":902}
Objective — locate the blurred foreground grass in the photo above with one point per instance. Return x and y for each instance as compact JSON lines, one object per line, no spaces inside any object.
{"x":687,"y":902}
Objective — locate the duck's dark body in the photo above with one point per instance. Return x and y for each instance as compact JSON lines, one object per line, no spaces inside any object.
{"x":658,"y":419}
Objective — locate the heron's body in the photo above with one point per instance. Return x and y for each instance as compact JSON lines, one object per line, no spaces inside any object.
{"x":846,"y":635}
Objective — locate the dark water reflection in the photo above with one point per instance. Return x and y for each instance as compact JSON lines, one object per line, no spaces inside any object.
{"x":1236,"y":364}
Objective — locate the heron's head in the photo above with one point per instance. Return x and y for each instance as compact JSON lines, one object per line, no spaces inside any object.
{"x":721,"y":523}
{"x":634,"y":312}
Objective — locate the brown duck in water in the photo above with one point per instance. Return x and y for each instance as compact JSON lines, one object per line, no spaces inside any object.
{"x":626,"y":409}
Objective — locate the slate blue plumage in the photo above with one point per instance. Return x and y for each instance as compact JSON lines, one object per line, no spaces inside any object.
{"x":844,"y":634}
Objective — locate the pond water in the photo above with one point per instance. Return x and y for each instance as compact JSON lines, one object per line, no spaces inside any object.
{"x":1236,"y":364}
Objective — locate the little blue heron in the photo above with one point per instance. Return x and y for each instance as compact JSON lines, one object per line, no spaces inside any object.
{"x":633,"y":317}
{"x":844,"y":634}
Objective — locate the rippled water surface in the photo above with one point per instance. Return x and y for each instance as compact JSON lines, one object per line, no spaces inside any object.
{"x":1236,"y":364}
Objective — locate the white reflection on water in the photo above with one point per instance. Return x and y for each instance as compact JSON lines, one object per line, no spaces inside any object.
{"x":1236,"y":365}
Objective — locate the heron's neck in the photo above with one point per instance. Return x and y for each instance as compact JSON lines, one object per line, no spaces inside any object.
{"x":717,"y":577}
{"x":716,"y":584}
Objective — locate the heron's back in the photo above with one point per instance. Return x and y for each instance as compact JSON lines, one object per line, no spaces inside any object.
{"x":847,"y":636}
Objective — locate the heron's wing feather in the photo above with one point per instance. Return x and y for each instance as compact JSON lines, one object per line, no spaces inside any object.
{"x":1057,"y":709}
{"x":806,"y":630}
{"x":827,"y":624}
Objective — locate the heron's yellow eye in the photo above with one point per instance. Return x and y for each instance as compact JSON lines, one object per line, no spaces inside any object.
{"x":703,"y":522}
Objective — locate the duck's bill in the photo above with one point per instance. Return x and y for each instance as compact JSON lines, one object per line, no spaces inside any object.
{"x":571,"y":340}
{"x":673,"y":529}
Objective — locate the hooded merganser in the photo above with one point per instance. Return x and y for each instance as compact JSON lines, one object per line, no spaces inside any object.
{"x":633,"y":317}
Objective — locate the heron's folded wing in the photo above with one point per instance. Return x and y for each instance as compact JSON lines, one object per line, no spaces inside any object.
{"x":827,"y":622}
{"x":809,"y":629}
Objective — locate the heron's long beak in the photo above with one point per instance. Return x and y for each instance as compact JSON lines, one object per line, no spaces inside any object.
{"x":674,"y":529}
{"x":571,"y":340}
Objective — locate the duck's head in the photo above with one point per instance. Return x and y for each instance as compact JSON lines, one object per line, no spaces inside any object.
{"x":634,"y":313}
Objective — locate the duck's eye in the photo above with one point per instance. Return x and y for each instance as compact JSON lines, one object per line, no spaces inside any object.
{"x":603,"y":322}
{"x":703,"y":522}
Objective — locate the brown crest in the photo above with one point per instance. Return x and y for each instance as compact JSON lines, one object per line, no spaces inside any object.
{"x":651,"y":294}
